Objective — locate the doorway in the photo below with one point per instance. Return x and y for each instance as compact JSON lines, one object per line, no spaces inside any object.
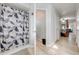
{"x":68,"y":31}
{"x":40,"y":25}
{"x":40,"y":29}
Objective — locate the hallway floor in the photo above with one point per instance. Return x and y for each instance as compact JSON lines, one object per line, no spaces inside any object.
{"x":61,"y":47}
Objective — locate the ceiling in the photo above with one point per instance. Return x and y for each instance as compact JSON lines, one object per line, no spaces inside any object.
{"x":63,"y":9}
{"x":66,"y":9}
{"x":22,"y":6}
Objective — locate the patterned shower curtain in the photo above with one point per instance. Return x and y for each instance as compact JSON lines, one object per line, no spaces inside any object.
{"x":14,"y":28}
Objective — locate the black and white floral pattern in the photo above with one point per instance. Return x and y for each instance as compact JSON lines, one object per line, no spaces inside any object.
{"x":14,"y":28}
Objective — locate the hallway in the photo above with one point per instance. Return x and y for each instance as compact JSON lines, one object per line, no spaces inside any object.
{"x":61,"y":22}
{"x":61,"y":47}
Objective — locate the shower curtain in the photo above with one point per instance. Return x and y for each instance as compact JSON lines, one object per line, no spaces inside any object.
{"x":14,"y":28}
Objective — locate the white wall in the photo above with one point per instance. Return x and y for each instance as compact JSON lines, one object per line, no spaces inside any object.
{"x":32,"y":26}
{"x":55,"y":27}
{"x":49,"y":26}
{"x":77,"y":32}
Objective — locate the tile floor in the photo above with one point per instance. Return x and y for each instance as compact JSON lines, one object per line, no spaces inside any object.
{"x":27,"y":51}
